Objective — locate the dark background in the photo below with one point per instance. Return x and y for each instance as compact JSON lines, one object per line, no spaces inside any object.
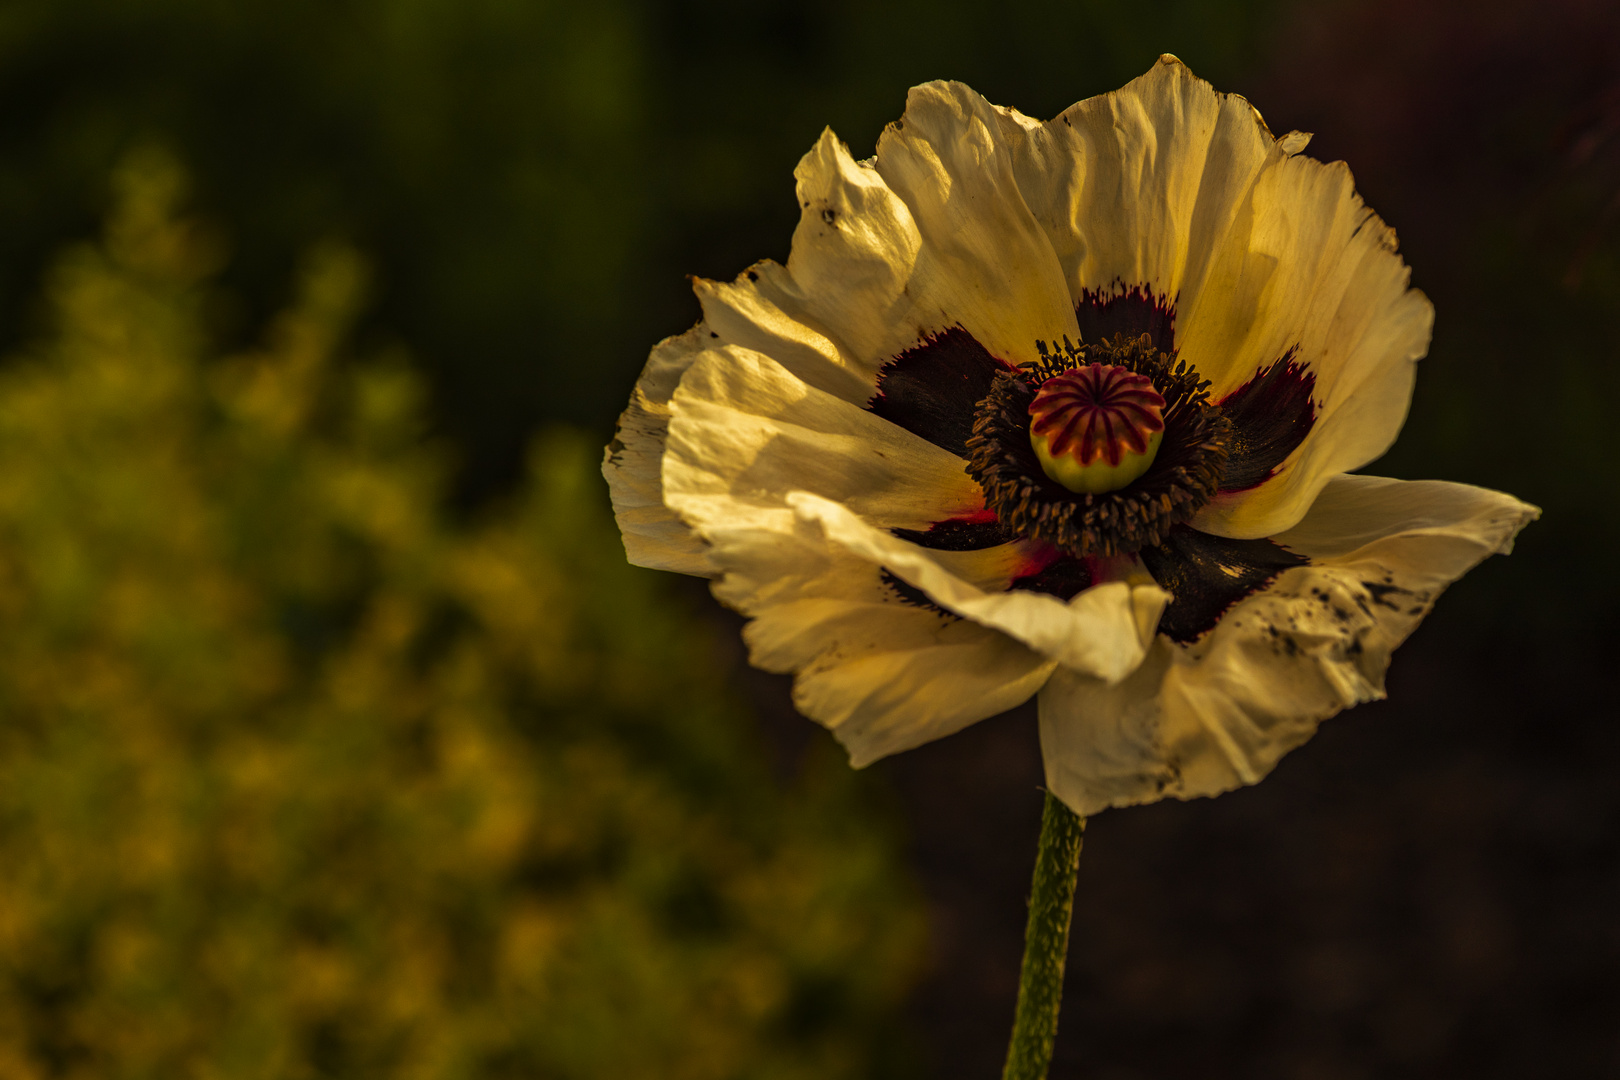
{"x":1431,"y":886}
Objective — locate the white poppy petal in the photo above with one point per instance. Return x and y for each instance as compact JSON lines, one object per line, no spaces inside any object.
{"x":845,"y":304}
{"x":1336,"y":300}
{"x":1100,"y":743}
{"x":883,"y":675}
{"x":632,"y":465}
{"x":765,"y":310}
{"x":745,"y":431}
{"x":985,"y":262}
{"x":854,"y":253}
{"x":871,"y":276}
{"x":1203,"y":719}
{"x":1140,"y":187}
{"x":1103,"y":631}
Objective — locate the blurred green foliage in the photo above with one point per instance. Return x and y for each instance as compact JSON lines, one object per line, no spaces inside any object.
{"x":299,"y":777}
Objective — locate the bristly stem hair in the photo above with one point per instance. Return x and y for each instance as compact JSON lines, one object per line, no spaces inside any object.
{"x":1046,"y":943}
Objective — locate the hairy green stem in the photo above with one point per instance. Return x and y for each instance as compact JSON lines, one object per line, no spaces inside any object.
{"x":1046,"y":943}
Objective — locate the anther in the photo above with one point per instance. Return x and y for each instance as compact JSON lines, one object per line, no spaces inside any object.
{"x":1096,"y":428}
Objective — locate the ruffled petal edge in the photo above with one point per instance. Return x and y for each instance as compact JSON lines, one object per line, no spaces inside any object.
{"x":1200,"y":720}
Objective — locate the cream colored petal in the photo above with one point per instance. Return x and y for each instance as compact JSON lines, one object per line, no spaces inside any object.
{"x":1452,"y":525}
{"x":845,"y":304}
{"x":1204,"y":719}
{"x":854,"y":255}
{"x":1167,"y":184}
{"x":1142,"y":186}
{"x":934,"y":235}
{"x":745,"y":431}
{"x":767,"y":311}
{"x":1103,"y":631}
{"x":984,"y":262}
{"x":883,"y":675}
{"x":1336,"y":291}
{"x":633,"y":462}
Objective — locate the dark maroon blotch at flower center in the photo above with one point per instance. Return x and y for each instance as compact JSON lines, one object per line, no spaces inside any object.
{"x":1100,"y":411}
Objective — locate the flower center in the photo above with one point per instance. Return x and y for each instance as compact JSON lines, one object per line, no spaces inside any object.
{"x":1112,"y":407}
{"x":1096,"y":428}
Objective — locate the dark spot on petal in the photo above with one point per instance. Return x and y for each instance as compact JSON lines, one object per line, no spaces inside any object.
{"x":1207,"y":574}
{"x":752,"y":276}
{"x":1103,"y":313}
{"x":908,"y":593}
{"x":1271,"y":414}
{"x":1380,"y":593}
{"x":959,"y":534}
{"x":1169,"y":777}
{"x":931,"y":389}
{"x":829,"y":215}
{"x":1064,"y":578}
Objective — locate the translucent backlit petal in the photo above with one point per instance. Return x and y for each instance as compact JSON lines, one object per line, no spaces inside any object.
{"x":745,"y":431}
{"x":985,"y":262}
{"x":882,"y":674}
{"x":653,"y":535}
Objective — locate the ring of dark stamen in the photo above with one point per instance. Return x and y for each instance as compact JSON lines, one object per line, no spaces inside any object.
{"x":1183,"y":477}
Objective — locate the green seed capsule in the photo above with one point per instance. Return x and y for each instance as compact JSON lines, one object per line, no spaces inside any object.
{"x":1096,"y":428}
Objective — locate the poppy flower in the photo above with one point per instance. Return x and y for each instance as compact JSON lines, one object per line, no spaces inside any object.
{"x":1066,"y":409}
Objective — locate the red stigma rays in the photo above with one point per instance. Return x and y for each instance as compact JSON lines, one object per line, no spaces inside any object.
{"x":1099,"y":411}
